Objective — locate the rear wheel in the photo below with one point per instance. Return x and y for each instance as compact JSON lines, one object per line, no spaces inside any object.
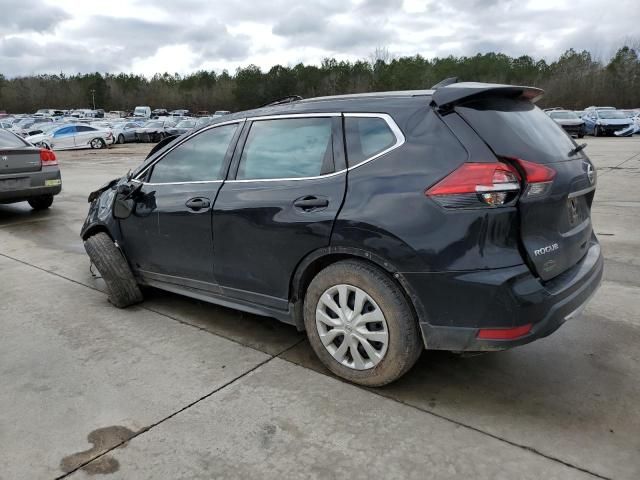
{"x":360,"y":324}
{"x":97,"y":143}
{"x":122,"y":287}
{"x":41,"y":203}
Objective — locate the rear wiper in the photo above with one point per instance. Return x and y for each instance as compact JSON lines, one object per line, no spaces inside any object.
{"x":578,"y":148}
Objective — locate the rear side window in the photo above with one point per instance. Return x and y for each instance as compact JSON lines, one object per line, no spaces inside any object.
{"x":287,"y":148}
{"x":199,"y":159}
{"x":84,"y":128}
{"x":517,"y":128}
{"x":367,"y":137}
{"x":9,"y":140}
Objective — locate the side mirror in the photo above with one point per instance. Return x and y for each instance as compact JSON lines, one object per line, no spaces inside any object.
{"x":124,"y":204}
{"x":122,"y":207}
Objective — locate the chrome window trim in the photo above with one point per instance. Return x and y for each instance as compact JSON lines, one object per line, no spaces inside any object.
{"x":179,"y":183}
{"x":400,"y":140}
{"x":194,"y":134}
{"x":295,"y":115}
{"x":584,"y":191}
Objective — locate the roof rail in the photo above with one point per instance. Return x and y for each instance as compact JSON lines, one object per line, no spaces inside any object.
{"x":283,"y":100}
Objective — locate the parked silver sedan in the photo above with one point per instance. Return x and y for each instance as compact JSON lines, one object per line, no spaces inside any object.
{"x":69,"y":137}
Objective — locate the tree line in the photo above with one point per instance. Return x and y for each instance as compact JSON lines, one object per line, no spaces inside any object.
{"x":575,"y":80}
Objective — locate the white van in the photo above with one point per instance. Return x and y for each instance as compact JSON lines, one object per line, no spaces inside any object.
{"x":142,"y":112}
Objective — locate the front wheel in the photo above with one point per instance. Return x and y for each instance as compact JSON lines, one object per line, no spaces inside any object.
{"x":360,"y":324}
{"x":121,"y":139}
{"x":596,"y":131}
{"x":122,"y":287}
{"x":41,"y":203}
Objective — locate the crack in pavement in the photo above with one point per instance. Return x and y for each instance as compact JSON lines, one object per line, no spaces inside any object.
{"x":278,"y":355}
{"x":617,"y":167}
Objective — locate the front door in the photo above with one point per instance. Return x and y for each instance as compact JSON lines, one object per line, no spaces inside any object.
{"x":168,"y":237}
{"x":280,"y":206}
{"x":64,"y":138}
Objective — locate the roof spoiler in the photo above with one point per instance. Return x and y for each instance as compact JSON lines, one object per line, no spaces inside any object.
{"x":453,"y":93}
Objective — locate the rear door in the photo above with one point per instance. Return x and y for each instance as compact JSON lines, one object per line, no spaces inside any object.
{"x":84,"y":135}
{"x":64,"y":137}
{"x":558,"y":183}
{"x":286,"y":187}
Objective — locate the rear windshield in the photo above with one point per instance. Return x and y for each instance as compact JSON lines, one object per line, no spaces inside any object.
{"x":517,"y":128}
{"x":9,"y":140}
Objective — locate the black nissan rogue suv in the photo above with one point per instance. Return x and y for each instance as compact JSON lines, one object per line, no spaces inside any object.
{"x":382,"y":224}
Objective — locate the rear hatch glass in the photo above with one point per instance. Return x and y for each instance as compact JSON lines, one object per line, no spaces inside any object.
{"x":555,"y":227}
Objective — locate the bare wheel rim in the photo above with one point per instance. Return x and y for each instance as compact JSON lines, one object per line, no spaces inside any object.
{"x":352,"y":327}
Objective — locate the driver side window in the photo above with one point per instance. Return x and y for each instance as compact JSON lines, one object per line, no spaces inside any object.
{"x":199,"y":159}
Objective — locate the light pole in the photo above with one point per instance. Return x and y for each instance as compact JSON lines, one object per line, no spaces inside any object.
{"x":93,"y":98}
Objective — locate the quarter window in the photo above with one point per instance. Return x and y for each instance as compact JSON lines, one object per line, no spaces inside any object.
{"x":287,"y":148}
{"x":199,"y":159}
{"x":367,"y":137}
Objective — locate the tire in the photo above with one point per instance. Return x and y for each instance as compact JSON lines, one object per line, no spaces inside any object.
{"x":121,"y":139}
{"x":596,"y":131}
{"x":122,"y":287}
{"x":581,"y":135}
{"x":97,"y":143}
{"x":397,"y":353}
{"x":41,"y":203}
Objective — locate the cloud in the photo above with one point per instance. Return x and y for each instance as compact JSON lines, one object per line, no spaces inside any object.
{"x":30,"y":15}
{"x":146,"y":36}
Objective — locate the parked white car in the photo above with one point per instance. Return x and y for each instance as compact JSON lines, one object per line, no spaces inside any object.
{"x":69,"y":137}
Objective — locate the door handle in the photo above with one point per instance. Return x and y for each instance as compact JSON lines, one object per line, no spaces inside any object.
{"x":198,"y":203}
{"x":311,"y":203}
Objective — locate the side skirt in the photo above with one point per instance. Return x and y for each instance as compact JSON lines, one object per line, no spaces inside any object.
{"x":212,"y":293}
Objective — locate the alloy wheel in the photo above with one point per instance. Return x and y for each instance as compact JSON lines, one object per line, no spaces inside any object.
{"x":352,"y":327}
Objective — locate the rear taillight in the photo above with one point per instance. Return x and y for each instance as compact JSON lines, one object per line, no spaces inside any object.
{"x":48,"y":158}
{"x":538,"y":178}
{"x":474,"y":185}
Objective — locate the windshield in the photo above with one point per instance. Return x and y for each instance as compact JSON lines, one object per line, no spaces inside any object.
{"x":564,"y":115}
{"x":186,"y":124}
{"x":611,"y":114}
{"x":140,"y":111}
{"x":153,"y":125}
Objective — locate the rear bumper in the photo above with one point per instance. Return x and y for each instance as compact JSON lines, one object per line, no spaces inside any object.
{"x":45,"y":182}
{"x":458,"y":305}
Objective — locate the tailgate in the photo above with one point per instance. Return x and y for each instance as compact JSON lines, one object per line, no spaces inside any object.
{"x":555,"y":230}
{"x":19,"y":160}
{"x":558,"y":184}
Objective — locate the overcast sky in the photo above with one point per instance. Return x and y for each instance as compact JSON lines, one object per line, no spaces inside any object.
{"x":149,"y":36}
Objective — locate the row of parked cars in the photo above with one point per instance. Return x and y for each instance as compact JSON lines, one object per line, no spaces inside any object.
{"x":597,"y":121}
{"x":66,"y":132}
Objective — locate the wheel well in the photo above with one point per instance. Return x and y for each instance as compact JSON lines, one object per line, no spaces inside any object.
{"x":302,"y":278}
{"x":96,"y":229}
